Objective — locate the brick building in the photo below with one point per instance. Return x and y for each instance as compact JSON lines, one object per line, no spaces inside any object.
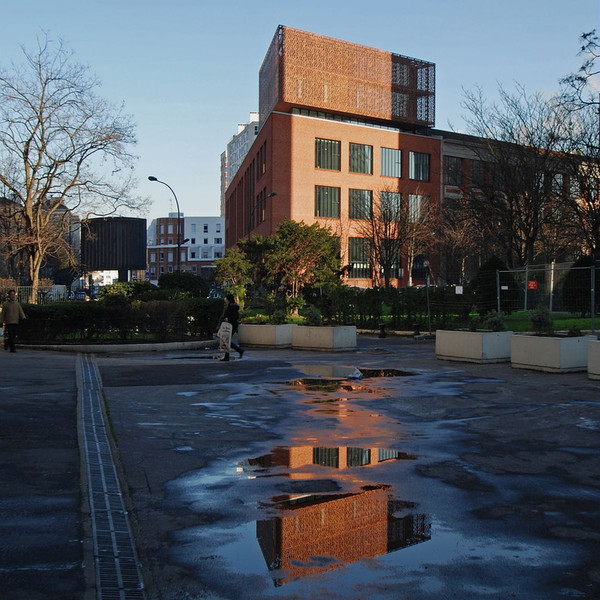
{"x":341,"y":127}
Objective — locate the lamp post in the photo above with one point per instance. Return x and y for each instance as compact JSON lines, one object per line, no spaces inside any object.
{"x":178,"y":257}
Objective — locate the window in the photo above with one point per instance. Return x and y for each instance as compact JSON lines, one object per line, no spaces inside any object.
{"x":357,"y":457}
{"x":205,"y":226}
{"x":193,"y":227}
{"x":218,"y":240}
{"x":169,"y":257}
{"x":326,"y":457}
{"x":192,"y":255}
{"x":327,"y":154}
{"x":360,"y":204}
{"x":193,"y":240}
{"x":390,"y":207}
{"x":218,"y":255}
{"x":361,"y":158}
{"x":162,"y":227}
{"x":391,"y":162}
{"x":170,"y":241}
{"x":194,"y":269}
{"x":170,"y":228}
{"x":170,"y":269}
{"x":477,"y":173}
{"x":327,"y":201}
{"x":218,"y":228}
{"x":152,"y":257}
{"x":418,"y":167}
{"x":358,"y":255}
{"x":453,"y":170}
{"x":417,"y":207}
{"x":205,"y":241}
{"x":162,"y":257}
{"x":162,"y":269}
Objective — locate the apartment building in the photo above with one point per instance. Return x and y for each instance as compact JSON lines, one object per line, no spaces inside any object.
{"x":201,"y":242}
{"x":342,"y":126}
{"x":235,"y":153}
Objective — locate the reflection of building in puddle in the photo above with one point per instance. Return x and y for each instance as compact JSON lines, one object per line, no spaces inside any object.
{"x":321,"y":532}
{"x":340,"y":457}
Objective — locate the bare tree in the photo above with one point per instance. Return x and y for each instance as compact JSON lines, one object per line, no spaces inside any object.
{"x":519,"y":146}
{"x":395,"y":225}
{"x":63,"y":151}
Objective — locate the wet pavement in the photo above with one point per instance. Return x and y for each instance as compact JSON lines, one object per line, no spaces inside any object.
{"x":380,"y":473}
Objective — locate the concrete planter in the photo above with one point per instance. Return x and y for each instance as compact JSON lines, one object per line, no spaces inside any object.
{"x":473,"y":346}
{"x":337,"y":339}
{"x":594,"y":359}
{"x":548,"y":353}
{"x":271,"y":336}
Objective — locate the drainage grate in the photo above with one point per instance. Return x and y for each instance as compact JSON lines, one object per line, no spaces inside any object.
{"x":117,"y":567}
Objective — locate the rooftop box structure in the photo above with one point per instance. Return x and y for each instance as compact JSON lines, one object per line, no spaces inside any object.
{"x":311,"y":71}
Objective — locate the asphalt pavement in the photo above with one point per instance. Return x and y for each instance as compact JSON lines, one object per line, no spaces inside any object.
{"x":489,"y":477}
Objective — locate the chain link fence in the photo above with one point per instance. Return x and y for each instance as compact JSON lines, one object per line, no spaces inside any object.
{"x":558,"y":287}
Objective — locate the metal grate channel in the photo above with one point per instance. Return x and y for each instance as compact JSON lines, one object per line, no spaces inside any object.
{"x":117,"y":567}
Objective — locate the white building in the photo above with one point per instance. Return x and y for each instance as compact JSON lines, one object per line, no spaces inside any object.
{"x":202,"y":241}
{"x":234,"y":155}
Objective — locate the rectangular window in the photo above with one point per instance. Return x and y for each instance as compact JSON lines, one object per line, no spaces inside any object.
{"x":453,"y":173}
{"x":390,"y":207}
{"x":169,"y":227}
{"x":359,"y":258}
{"x":218,"y":228}
{"x":327,"y":154}
{"x":477,"y":173}
{"x":418,"y":167}
{"x":162,"y":227}
{"x":418,"y":207}
{"x":162,"y":257}
{"x":205,"y":226}
{"x":169,"y":257}
{"x":360,"y":204}
{"x":192,"y":255}
{"x":358,"y":457}
{"x":193,"y":240}
{"x":361,"y":158}
{"x":205,"y":241}
{"x":327,"y":201}
{"x":152,"y":256}
{"x":218,"y":240}
{"x":193,"y":227}
{"x":391,"y":162}
{"x":326,"y":457}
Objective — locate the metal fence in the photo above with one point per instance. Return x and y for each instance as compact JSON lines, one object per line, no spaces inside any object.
{"x":558,"y":287}
{"x":23,"y":293}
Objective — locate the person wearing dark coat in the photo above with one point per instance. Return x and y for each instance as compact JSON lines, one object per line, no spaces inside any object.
{"x":231,"y":314}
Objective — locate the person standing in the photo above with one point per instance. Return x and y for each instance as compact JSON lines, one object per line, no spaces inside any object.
{"x":231,"y":314}
{"x":12,"y":313}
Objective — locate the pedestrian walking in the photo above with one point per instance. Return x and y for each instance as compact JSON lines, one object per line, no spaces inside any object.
{"x":231,"y":315}
{"x":12,"y":314}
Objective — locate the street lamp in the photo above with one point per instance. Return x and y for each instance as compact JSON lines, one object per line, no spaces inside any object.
{"x":178,"y":257}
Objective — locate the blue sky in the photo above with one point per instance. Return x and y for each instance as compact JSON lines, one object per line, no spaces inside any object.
{"x":187,"y":71}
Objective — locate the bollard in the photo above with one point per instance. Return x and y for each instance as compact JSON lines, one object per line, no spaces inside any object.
{"x":382,"y":333}
{"x":417,"y":329}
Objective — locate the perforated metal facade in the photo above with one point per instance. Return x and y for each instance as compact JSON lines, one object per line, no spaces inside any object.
{"x":307,"y":70}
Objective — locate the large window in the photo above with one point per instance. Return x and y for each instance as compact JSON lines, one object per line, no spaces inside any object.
{"x":327,"y":154}
{"x":390,"y":207}
{"x":453,"y":174}
{"x":361,"y":158}
{"x":418,"y":167}
{"x":417,"y":207}
{"x":391,"y":162}
{"x":360,"y":204}
{"x":327,"y":201}
{"x":359,"y":258}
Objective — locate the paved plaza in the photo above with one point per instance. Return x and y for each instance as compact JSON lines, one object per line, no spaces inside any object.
{"x":381,"y":473}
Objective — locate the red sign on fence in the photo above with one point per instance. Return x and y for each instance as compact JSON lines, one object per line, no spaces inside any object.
{"x":532,"y":285}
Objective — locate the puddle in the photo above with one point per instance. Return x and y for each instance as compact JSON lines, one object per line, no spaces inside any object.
{"x":327,"y":378}
{"x":323,"y":532}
